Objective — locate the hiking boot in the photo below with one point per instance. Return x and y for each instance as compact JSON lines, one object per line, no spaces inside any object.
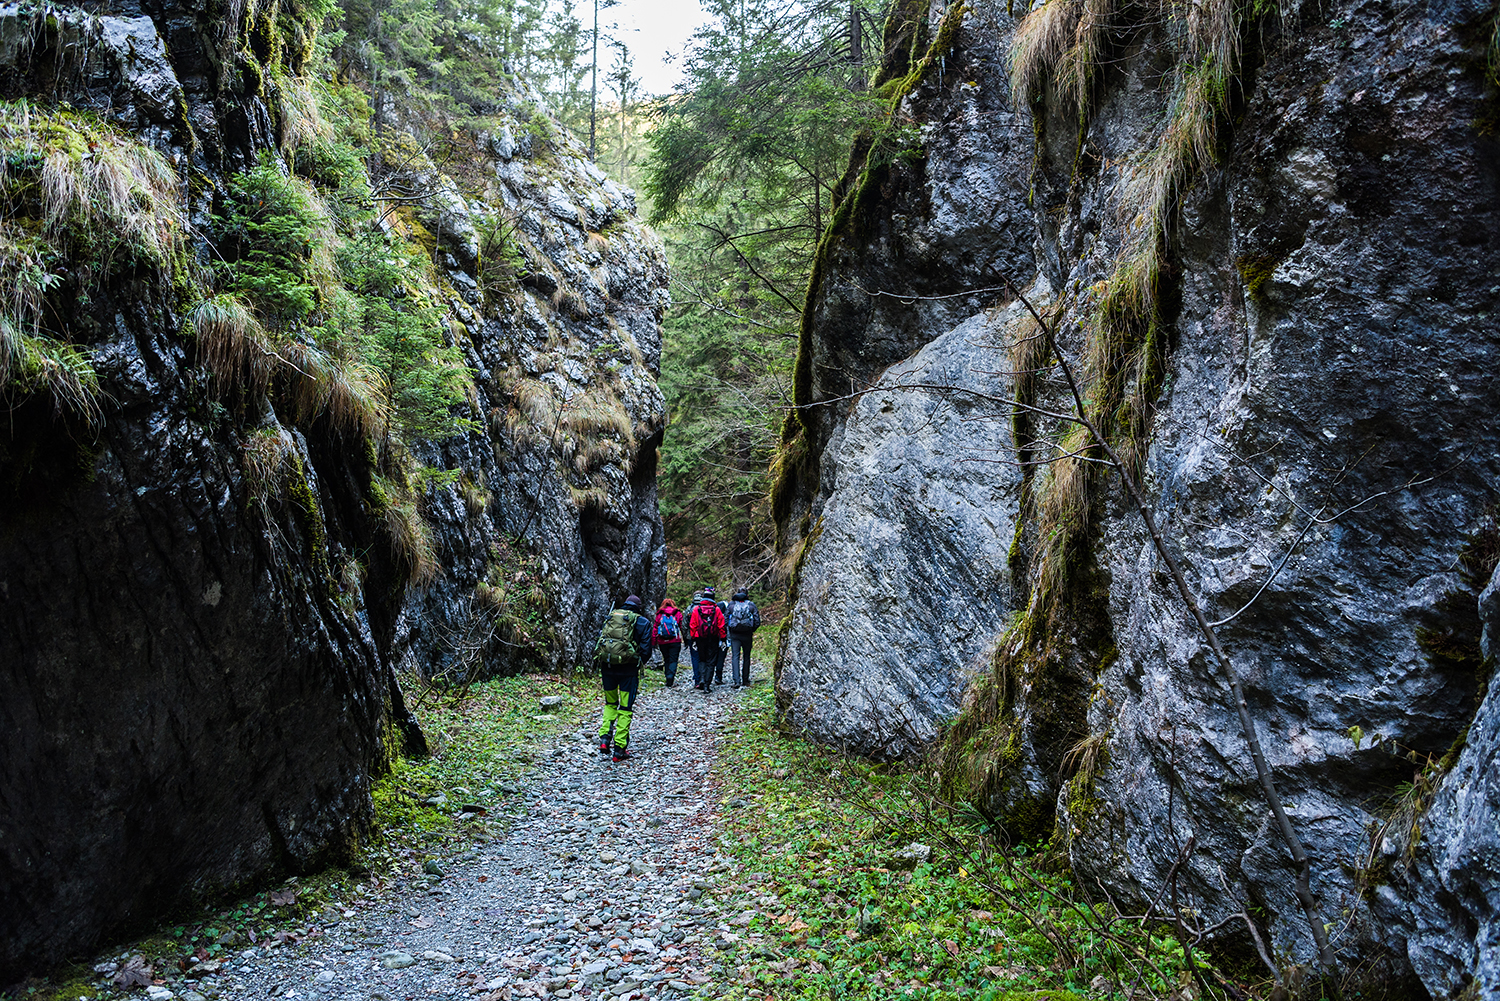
{"x":621,"y":754}
{"x":604,"y":746}
{"x":735,"y":687}
{"x":669,"y":682}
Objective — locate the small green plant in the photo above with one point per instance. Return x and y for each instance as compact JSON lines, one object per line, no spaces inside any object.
{"x":516,"y":594}
{"x":867,"y":887}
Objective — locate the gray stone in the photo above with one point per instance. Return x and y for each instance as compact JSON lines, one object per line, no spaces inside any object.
{"x":396,"y":960}
{"x":905,"y":582}
{"x":1358,"y":361}
{"x":911,"y":856}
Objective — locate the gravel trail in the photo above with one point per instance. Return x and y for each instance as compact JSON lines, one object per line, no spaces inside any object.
{"x":596,"y":891}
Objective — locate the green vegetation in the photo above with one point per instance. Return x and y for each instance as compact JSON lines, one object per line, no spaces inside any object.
{"x":743,"y":176}
{"x":81,"y":205}
{"x":850,"y":910}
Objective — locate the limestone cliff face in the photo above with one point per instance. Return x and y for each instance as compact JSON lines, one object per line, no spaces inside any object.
{"x":200,"y":651}
{"x":1306,"y":388}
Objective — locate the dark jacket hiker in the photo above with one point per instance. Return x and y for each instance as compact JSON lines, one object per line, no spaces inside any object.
{"x":743,"y":618}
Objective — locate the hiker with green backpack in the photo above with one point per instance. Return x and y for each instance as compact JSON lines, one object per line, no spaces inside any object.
{"x":624,"y":645}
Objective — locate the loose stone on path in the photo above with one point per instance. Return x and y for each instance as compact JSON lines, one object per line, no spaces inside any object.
{"x":602,"y":890}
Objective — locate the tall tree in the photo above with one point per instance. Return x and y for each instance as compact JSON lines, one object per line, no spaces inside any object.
{"x":741,"y":172}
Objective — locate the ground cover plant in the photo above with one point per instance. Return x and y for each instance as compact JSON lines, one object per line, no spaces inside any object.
{"x":863,"y":886}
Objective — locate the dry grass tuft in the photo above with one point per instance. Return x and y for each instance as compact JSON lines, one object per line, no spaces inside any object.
{"x":590,"y":498}
{"x":263,"y":458}
{"x":63,"y":372}
{"x":97,"y":188}
{"x":231,"y":344}
{"x":475,"y":497}
{"x":1065,"y":510}
{"x":411,"y":542}
{"x":77,"y":193}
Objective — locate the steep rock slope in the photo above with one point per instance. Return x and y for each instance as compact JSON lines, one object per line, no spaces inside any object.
{"x":209,"y":573}
{"x":1269,"y":254}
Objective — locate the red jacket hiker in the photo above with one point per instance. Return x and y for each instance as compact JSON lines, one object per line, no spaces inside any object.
{"x":707,"y":621}
{"x":667,"y":610}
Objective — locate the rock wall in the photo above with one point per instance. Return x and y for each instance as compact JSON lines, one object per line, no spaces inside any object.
{"x":1307,"y":395}
{"x":200,"y":675}
{"x":576,"y":347}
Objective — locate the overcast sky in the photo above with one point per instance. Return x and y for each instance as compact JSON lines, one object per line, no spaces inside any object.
{"x":652,"y":29}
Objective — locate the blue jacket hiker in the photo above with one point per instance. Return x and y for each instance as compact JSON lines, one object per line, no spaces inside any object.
{"x":624,"y":645}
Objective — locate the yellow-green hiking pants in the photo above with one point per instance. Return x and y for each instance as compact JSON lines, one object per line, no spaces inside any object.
{"x":620,"y":688}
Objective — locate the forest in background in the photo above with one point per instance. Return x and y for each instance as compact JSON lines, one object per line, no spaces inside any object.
{"x":737,"y":170}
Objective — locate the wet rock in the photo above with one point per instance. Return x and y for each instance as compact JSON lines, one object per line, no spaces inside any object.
{"x":911,"y":856}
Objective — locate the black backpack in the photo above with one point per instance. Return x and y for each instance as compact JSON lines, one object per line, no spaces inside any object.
{"x":616,"y":644}
{"x":744,"y":616}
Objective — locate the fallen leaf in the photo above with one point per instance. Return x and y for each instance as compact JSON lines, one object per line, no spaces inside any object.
{"x":283,"y":898}
{"x":135,"y":973}
{"x":484,"y":879}
{"x":951,"y":946}
{"x":815,"y":966}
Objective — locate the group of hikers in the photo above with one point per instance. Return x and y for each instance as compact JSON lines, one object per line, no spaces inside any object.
{"x":710,"y":629}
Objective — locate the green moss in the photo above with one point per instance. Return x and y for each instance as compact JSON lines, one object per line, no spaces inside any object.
{"x":1029,"y":821}
{"x":788,"y":469}
{"x":1256,"y":271}
{"x":265,"y":39}
{"x":310,"y":517}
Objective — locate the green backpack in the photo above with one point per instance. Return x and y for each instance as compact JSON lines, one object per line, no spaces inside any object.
{"x":617,"y":641}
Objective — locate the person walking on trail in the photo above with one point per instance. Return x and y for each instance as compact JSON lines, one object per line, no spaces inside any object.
{"x":666,"y":636}
{"x":624,"y":645}
{"x":723,"y":647}
{"x":742,"y":618}
{"x":689,"y":641}
{"x":706,"y":627}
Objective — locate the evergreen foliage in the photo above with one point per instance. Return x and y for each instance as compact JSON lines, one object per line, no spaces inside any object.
{"x":400,"y":335}
{"x":266,"y":235}
{"x":741,"y":176}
